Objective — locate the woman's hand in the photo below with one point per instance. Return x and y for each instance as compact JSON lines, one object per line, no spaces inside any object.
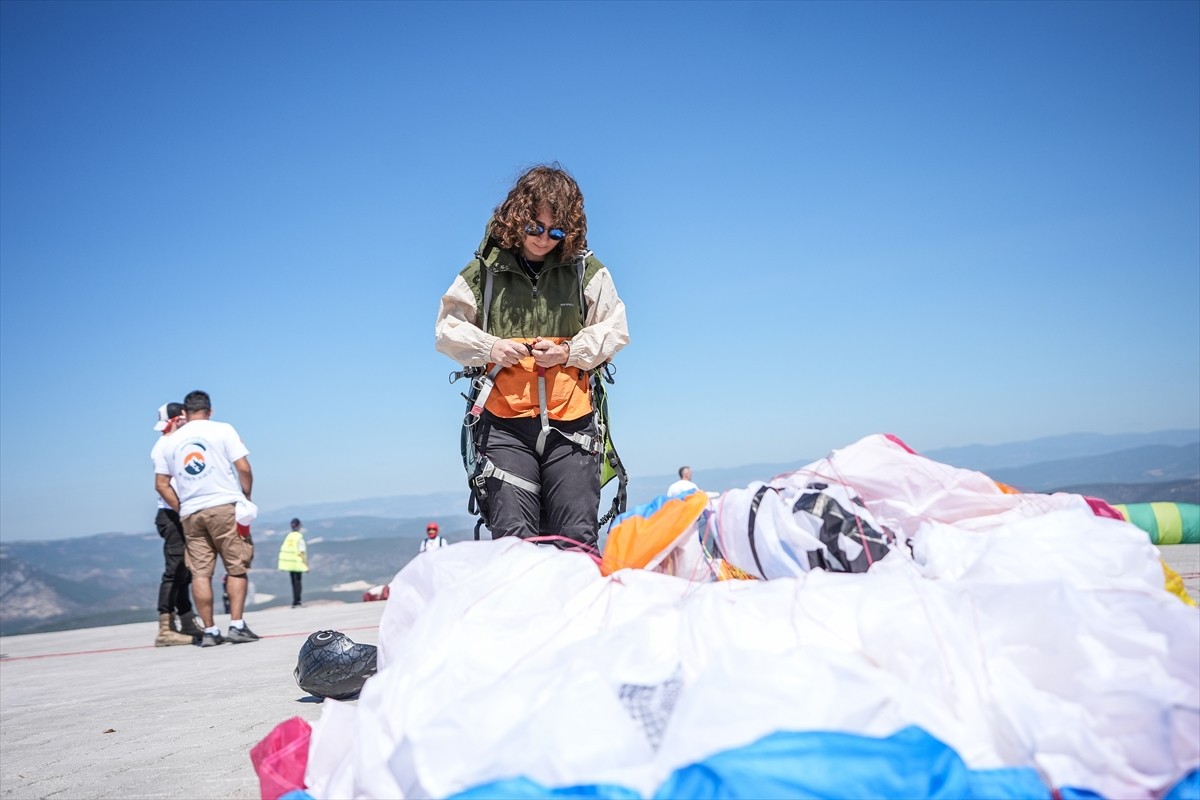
{"x":507,"y":352}
{"x":548,"y":354}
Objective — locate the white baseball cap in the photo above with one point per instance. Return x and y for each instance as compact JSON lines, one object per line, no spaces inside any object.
{"x":166,"y":413}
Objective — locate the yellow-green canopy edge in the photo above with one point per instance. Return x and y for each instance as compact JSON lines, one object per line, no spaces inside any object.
{"x":1167,"y":523}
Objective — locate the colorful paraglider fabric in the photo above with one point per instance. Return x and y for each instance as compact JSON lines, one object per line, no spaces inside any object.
{"x":1101,"y":508}
{"x":908,"y":764}
{"x":792,"y":525}
{"x":643,"y":536}
{"x":1167,"y":523}
{"x":505,"y":668}
{"x":1187,"y":789}
{"x":1173,"y":583}
{"x":281,"y":758}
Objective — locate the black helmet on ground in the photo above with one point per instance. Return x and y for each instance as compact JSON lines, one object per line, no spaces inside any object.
{"x":332,"y":665}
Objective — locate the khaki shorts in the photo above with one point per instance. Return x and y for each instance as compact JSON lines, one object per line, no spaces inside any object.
{"x":211,"y":531}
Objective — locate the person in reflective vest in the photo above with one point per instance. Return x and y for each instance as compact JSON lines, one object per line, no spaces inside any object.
{"x":293,"y":559}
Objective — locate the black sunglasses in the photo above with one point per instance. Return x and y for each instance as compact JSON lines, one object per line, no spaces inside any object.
{"x":537,"y":229}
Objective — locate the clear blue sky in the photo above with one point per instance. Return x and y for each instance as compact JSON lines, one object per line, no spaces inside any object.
{"x":956,"y":222}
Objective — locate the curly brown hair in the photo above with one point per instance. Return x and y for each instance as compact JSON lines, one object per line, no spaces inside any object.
{"x":549,"y":185}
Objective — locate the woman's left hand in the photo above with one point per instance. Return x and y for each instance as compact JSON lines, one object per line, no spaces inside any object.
{"x":548,"y":354}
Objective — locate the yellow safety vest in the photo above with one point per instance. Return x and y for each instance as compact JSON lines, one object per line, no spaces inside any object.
{"x":291,"y":557}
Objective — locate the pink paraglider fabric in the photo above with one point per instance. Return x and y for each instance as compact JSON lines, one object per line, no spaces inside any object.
{"x":1102,"y":509}
{"x":281,"y":758}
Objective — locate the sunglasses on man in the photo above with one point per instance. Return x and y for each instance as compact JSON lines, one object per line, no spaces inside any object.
{"x":537,"y":229}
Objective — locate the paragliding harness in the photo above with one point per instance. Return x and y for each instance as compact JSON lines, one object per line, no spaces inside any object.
{"x":479,"y":468}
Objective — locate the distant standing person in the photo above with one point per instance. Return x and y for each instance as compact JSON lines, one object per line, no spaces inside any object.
{"x":293,"y":559}
{"x":174,"y":590}
{"x":683,"y":485}
{"x":433,"y":540}
{"x":212,"y":473}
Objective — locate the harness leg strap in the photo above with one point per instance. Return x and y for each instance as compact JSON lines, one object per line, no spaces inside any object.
{"x":490,"y":470}
{"x":587,"y":443}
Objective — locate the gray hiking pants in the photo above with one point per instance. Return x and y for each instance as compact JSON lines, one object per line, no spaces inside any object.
{"x":569,"y":502}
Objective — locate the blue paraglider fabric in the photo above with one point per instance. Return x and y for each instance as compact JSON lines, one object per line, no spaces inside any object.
{"x":910,"y":763}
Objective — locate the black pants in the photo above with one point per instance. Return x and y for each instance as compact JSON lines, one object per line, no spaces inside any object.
{"x":296,"y":576}
{"x":569,"y":501}
{"x":173,"y":591}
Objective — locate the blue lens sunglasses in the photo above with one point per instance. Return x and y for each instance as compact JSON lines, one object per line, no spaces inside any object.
{"x":537,"y":229}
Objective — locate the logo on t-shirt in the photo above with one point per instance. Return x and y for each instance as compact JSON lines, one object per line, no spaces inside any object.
{"x":193,"y":462}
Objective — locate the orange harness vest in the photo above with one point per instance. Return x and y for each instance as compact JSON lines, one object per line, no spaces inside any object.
{"x":518,"y":390}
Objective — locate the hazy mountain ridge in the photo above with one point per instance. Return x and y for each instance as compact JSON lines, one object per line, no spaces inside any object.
{"x":1143,"y":464}
{"x":27,"y":592}
{"x":52,"y":586}
{"x":988,"y":458}
{"x":432,"y":505}
{"x":1148,"y":464}
{"x":1035,"y":465}
{"x":110,"y":578}
{"x":1115,"y":493}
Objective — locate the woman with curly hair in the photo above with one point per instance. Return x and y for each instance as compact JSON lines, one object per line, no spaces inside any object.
{"x":537,"y":311}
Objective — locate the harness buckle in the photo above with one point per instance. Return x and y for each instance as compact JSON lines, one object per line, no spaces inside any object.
{"x":465,"y":372}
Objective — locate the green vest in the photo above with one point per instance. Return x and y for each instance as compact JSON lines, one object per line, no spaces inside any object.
{"x":518,"y":308}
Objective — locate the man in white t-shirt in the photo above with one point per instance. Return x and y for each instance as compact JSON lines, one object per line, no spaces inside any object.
{"x":211,"y":472}
{"x":683,"y":485}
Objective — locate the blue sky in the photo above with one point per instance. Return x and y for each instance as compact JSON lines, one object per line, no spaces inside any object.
{"x":956,"y":222}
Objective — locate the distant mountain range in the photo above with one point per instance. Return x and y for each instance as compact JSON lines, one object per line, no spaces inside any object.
{"x":988,"y":458}
{"x":1147,"y":464}
{"x":113,"y":578}
{"x":1036,"y":466}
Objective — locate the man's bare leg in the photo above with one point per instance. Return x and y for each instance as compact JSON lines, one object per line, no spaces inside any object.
{"x":202,"y":595}
{"x":237,"y":596}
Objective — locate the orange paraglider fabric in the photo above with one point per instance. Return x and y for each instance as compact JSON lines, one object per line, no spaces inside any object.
{"x":642,"y":533}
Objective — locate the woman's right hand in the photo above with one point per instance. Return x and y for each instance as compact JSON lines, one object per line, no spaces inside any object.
{"x":507,"y":352}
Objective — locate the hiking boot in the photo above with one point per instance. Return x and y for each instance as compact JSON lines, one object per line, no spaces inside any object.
{"x":190,"y":626}
{"x":211,"y":639}
{"x":167,"y":637}
{"x":240,"y":635}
